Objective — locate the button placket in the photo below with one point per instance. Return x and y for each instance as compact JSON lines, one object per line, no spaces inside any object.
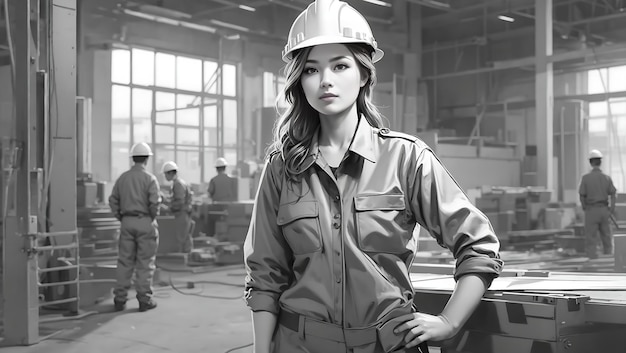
{"x":338,"y":258}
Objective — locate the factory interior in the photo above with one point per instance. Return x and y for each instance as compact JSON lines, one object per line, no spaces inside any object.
{"x":511,"y":95}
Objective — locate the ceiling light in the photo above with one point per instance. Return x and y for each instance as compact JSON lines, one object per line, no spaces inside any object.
{"x":379,"y":3}
{"x":198,"y":27}
{"x":165,"y":12}
{"x":435,"y":4}
{"x":170,"y":21}
{"x":230,"y":25}
{"x":506,"y":18}
{"x":247,"y":8}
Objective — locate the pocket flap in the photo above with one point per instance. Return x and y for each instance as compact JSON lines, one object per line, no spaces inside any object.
{"x":380,"y":202}
{"x":290,"y":212}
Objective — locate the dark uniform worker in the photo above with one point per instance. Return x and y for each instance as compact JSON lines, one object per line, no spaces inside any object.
{"x":180,"y":206}
{"x":221,"y":186}
{"x":596,"y":188}
{"x":135,"y":202}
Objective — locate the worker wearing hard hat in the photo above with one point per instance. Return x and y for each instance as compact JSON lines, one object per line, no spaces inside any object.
{"x":332,"y":232}
{"x":597,"y":197}
{"x":180,"y":206}
{"x":222,"y":186}
{"x":135,"y":202}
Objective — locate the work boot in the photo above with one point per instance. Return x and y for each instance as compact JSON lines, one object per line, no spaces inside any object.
{"x":145,"y":305}
{"x":119,"y":304}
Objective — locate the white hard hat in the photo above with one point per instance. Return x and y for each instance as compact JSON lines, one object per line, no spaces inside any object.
{"x":595,"y":154}
{"x":140,"y":149}
{"x":169,"y":166}
{"x":326,"y":22}
{"x":221,"y":162}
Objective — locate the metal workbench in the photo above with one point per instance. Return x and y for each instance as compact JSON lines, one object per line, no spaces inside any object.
{"x":533,"y":312}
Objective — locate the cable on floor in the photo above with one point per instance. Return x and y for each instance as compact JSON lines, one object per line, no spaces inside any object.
{"x":203,"y":295}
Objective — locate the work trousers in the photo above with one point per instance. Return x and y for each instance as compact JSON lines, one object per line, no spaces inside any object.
{"x":597,"y":220}
{"x":183,"y":231}
{"x":138,"y":243}
{"x":286,"y":340}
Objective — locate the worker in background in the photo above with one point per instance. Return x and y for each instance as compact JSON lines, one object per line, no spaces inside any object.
{"x":180,"y":206}
{"x":222,"y":186}
{"x":134,"y":201}
{"x":597,"y":197}
{"x":331,"y":240}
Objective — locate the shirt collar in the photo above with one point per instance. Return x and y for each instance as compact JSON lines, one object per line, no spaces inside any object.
{"x":362,"y":144}
{"x":363,"y":141}
{"x":139,"y":166}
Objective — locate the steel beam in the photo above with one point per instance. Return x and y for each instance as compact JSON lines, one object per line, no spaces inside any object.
{"x":62,"y":176}
{"x":21,"y":309}
{"x":544,"y":94}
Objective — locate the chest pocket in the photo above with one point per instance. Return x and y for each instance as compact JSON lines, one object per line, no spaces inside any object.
{"x":301,"y":226}
{"x":381,"y":223}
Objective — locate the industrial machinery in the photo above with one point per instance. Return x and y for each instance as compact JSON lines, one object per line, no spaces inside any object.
{"x":533,"y":312}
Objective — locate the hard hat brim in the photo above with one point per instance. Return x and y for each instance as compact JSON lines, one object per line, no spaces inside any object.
{"x":376,"y":56}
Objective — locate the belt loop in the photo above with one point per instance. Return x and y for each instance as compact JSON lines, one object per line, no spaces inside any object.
{"x":423,"y":347}
{"x":301,"y":328}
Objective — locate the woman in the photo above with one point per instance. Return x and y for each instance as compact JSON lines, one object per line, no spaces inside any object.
{"x":331,"y":240}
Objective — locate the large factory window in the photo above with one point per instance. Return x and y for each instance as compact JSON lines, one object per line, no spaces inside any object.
{"x":185,"y":107}
{"x":272,"y":85}
{"x":607,"y":121}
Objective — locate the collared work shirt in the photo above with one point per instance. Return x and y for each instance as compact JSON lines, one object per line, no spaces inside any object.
{"x":180,"y":196}
{"x":136,"y":191}
{"x":222,"y":188}
{"x":340,"y":249}
{"x":596,"y":187}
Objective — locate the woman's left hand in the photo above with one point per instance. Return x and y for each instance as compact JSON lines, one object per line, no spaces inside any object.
{"x":422,"y":327}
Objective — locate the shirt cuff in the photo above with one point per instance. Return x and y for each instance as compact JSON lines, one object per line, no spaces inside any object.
{"x":487,"y":278}
{"x":262,"y":301}
{"x":481,"y":266}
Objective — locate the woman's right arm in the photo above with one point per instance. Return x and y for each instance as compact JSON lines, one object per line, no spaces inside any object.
{"x":263,"y":323}
{"x":267,"y":258}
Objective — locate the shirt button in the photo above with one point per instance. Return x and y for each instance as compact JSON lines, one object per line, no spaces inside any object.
{"x":337,"y":216}
{"x":336,"y":197}
{"x":336,"y":225}
{"x":338,"y":279}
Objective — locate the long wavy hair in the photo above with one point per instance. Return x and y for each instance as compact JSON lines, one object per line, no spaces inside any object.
{"x":297,"y":123}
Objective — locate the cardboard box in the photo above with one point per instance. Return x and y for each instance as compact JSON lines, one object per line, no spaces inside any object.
{"x":488,"y":204}
{"x":539,"y":196}
{"x":507,"y":202}
{"x":559,"y":218}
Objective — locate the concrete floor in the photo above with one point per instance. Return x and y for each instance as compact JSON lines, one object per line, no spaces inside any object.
{"x":180,"y":323}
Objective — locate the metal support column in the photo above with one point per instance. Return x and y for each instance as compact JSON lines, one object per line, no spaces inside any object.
{"x":62,"y":176}
{"x":412,"y":72}
{"x":544,"y":94}
{"x":21,"y":309}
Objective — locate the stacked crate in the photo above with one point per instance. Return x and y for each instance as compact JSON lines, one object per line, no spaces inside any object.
{"x":510,"y":209}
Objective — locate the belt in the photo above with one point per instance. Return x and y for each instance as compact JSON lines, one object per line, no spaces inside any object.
{"x":352,"y":337}
{"x":598,"y":204}
{"x":134,"y":214}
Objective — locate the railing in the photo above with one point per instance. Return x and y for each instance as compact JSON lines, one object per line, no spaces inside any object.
{"x":74,"y":245}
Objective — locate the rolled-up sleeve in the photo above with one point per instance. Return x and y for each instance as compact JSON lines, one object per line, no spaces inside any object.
{"x":114,"y":201}
{"x":178,"y":197}
{"x":441,"y":206}
{"x":154,"y":198}
{"x":267,"y":256}
{"x":612,"y":189}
